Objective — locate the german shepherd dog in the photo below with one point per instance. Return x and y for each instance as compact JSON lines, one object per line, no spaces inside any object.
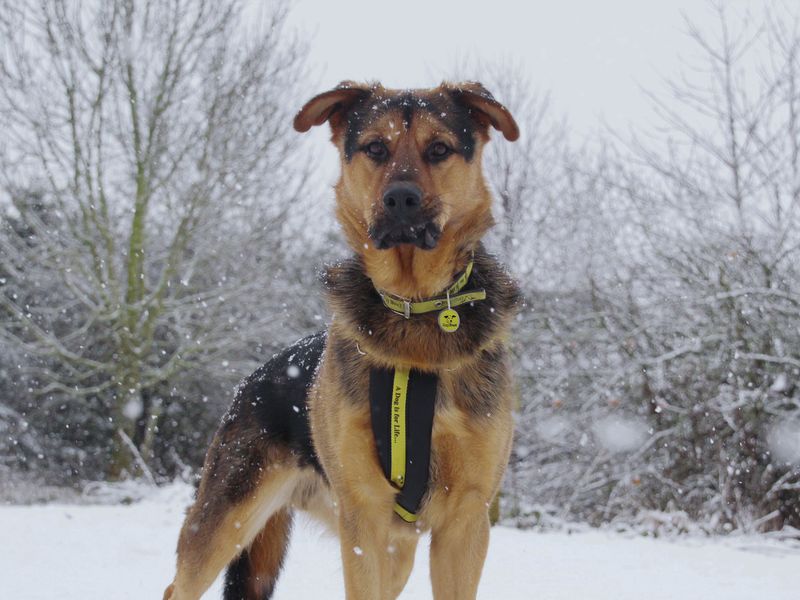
{"x":300,"y":434}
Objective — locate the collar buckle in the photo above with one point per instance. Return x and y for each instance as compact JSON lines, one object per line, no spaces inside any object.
{"x":405,"y":307}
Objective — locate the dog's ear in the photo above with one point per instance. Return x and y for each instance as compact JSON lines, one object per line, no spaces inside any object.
{"x":327,"y":105}
{"x":486,"y":109}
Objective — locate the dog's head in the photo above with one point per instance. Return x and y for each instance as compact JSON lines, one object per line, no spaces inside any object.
{"x":411,"y":176}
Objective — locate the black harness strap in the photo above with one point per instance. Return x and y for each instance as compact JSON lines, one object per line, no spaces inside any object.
{"x":418,"y":398}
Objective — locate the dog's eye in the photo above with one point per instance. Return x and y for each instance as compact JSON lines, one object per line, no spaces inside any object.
{"x":438,"y":151}
{"x":376,"y":150}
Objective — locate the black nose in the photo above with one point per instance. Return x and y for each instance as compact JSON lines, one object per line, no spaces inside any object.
{"x":402,"y":200}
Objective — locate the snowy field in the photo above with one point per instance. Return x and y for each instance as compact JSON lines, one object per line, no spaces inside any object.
{"x":125,"y":552}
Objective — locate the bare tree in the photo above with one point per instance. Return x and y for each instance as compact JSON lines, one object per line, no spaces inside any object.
{"x":717,"y":205}
{"x":659,"y":348}
{"x":155,"y":134}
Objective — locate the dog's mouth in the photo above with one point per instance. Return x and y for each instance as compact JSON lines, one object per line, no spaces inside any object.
{"x":387,"y":235}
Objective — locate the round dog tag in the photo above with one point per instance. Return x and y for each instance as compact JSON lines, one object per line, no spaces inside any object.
{"x":449,"y":320}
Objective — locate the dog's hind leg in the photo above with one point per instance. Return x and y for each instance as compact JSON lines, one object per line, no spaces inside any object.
{"x":246,"y":481}
{"x":214,"y":535}
{"x":252,"y":576}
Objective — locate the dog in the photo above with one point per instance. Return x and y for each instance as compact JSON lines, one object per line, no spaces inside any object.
{"x":398,"y":419}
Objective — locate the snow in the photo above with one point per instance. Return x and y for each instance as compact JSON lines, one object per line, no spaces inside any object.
{"x":133,"y":408}
{"x":784,"y":441}
{"x":126,"y":552}
{"x":552,"y":429}
{"x":620,"y":434}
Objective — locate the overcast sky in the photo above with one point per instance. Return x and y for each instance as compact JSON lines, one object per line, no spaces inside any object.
{"x":591,"y":55}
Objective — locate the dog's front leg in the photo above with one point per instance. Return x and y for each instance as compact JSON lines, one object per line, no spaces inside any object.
{"x":458,"y":550}
{"x":364,"y":537}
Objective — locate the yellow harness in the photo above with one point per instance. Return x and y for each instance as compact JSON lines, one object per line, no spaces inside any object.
{"x":402,"y":402}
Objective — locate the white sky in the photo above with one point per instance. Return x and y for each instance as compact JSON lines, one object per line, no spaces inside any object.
{"x":593,"y":56}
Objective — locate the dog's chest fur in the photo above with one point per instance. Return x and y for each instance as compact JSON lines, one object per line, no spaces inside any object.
{"x":391,"y":339}
{"x":471,"y":432}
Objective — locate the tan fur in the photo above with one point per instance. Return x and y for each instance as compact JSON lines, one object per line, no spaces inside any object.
{"x":206,"y":546}
{"x":466,"y":206}
{"x":469,"y":459}
{"x":266,"y":552}
{"x":469,"y":450}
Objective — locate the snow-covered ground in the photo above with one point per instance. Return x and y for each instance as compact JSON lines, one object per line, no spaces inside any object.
{"x":126,"y":552}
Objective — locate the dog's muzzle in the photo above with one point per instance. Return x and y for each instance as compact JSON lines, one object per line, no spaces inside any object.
{"x":404,"y":220}
{"x":423,"y":235}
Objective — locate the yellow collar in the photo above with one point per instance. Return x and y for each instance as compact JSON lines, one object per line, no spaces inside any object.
{"x":451,"y":297}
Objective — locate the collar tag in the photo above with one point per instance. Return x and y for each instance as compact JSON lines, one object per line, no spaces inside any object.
{"x":449,"y":320}
{"x":407,"y":309}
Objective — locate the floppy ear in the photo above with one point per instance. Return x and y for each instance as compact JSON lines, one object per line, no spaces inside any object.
{"x":325,"y":105}
{"x":478,"y":98}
